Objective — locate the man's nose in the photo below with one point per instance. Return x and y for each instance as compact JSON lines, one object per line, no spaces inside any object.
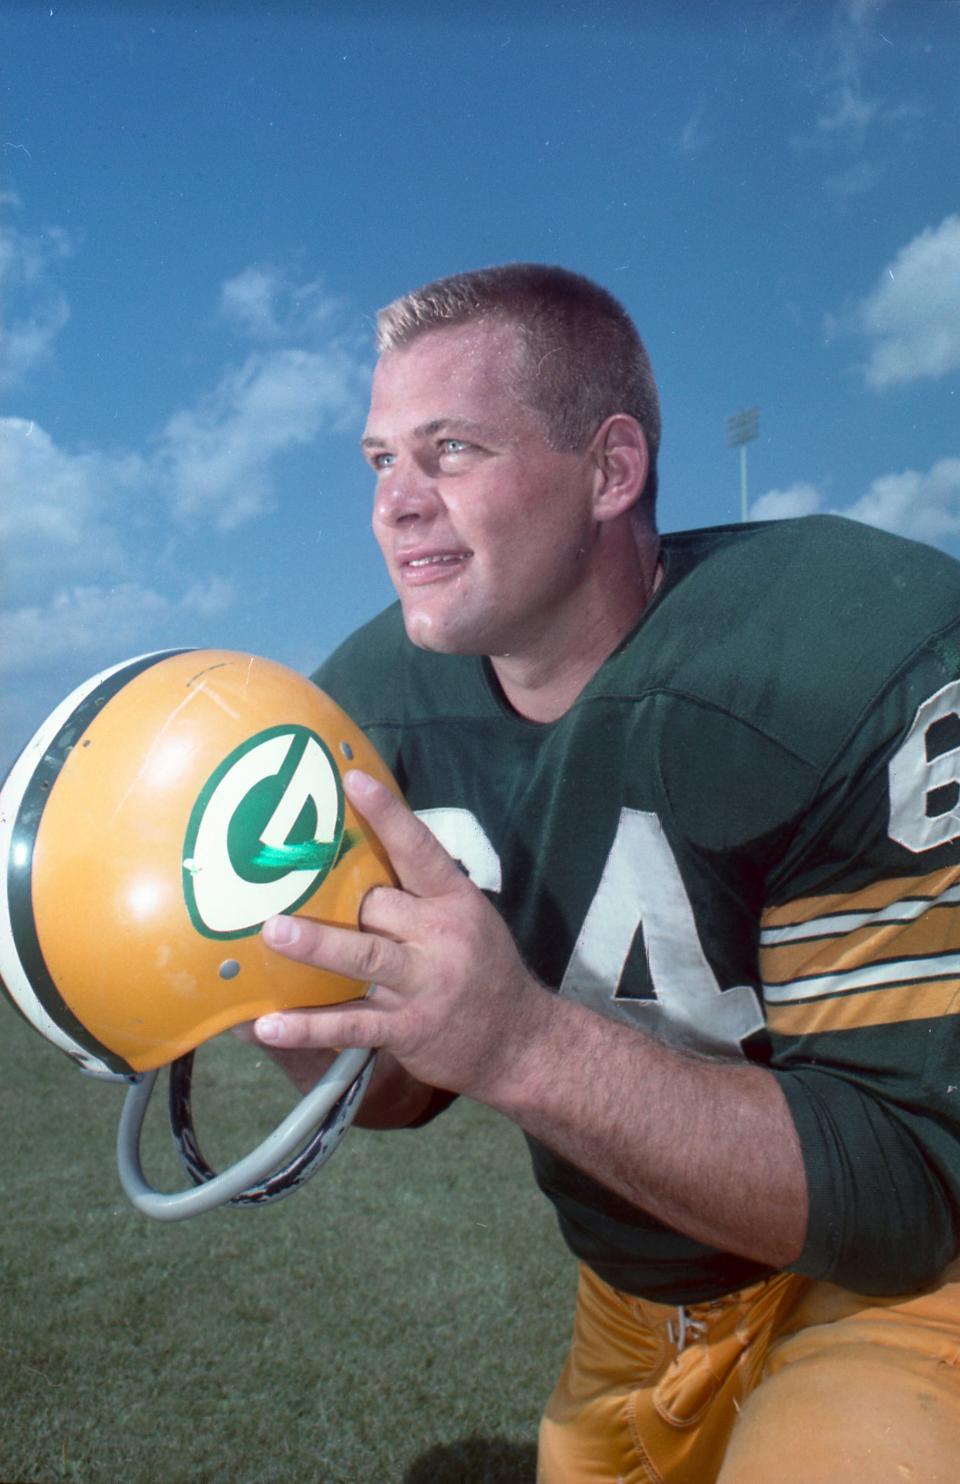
{"x":404,"y":492}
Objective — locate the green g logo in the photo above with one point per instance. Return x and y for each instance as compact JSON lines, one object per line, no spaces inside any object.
{"x":264,"y":832}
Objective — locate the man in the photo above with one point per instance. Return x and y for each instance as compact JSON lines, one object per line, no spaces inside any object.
{"x":707,"y":793}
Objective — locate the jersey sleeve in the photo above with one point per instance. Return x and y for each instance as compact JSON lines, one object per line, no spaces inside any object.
{"x":859,"y":957}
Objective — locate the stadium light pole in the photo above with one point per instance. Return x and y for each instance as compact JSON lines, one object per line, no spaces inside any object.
{"x":741,"y":428}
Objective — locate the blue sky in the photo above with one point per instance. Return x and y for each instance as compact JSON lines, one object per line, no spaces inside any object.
{"x":203,"y":205}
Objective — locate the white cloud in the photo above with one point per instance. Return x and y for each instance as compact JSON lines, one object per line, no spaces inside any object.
{"x":28,"y":343}
{"x":267,"y":304}
{"x":26,"y":265}
{"x":848,"y":113}
{"x":912,"y":315}
{"x":923,"y":506}
{"x":60,"y":511}
{"x":89,"y":625}
{"x":844,"y":112}
{"x":216,"y":460}
{"x":86,"y":585}
{"x":208,"y":598}
{"x":799,"y":499}
{"x":94,"y":534}
{"x":248,"y":301}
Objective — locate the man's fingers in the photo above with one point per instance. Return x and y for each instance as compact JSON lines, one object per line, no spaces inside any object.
{"x":363,"y":956}
{"x":420,"y":861}
{"x":358,"y":1025}
{"x":389,"y":912}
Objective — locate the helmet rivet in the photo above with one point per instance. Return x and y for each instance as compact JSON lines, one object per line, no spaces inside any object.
{"x":229,"y":969}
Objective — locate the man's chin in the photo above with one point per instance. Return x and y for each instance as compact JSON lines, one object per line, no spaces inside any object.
{"x":423,"y":631}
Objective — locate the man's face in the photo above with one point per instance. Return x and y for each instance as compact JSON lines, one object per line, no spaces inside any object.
{"x":484,"y":528}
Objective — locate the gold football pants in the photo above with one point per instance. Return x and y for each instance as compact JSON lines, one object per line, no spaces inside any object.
{"x":788,"y":1380}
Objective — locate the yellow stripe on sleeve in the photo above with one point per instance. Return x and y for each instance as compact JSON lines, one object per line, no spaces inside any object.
{"x":935,"y":932}
{"x":887,"y":953}
{"x":845,"y":1012}
{"x":871,"y":898}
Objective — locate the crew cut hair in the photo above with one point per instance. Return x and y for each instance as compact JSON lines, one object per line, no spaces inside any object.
{"x":583,"y":359}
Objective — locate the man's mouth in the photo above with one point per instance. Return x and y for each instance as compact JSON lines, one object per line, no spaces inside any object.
{"x":432,"y":566}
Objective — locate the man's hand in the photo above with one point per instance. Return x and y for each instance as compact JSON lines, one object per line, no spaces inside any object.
{"x":448,"y":986}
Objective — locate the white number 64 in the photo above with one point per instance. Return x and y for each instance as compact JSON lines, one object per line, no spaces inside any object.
{"x":640,"y":885}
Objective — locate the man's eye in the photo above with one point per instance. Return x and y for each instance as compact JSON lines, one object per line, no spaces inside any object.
{"x":453,"y":445}
{"x":383,"y":460}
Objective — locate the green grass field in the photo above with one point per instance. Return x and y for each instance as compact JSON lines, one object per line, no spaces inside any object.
{"x":400,"y":1320}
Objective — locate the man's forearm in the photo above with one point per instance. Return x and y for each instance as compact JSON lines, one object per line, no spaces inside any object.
{"x":708,"y":1147}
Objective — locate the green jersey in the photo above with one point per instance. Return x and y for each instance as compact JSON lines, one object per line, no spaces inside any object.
{"x":744,"y":838}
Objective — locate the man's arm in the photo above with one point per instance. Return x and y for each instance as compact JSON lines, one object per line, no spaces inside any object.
{"x":707,"y":1147}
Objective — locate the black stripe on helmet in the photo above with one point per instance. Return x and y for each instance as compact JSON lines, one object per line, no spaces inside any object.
{"x":20,"y":859}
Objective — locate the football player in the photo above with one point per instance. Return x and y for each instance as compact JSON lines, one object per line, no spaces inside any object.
{"x":681,"y":900}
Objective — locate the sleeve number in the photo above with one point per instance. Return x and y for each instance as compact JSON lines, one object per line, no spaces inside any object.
{"x":925,"y":790}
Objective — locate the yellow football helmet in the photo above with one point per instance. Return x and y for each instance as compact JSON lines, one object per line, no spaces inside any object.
{"x":163,"y":811}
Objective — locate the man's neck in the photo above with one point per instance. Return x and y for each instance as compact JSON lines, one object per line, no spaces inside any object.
{"x":543,"y":685}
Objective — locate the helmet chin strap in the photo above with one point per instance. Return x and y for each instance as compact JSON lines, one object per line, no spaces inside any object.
{"x":304,"y":1140}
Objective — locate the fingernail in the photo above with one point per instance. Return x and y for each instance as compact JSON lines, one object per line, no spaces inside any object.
{"x":360,"y":783}
{"x":270,"y":1028}
{"x":281,"y":931}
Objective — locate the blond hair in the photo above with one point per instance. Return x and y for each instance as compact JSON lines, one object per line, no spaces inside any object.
{"x":583,"y":359}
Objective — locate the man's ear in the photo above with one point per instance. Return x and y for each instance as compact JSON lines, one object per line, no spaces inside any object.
{"x":620,"y":454}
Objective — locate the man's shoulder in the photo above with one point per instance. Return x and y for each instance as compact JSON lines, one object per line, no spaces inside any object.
{"x":797,"y":627}
{"x":823,"y":548}
{"x":822,"y":582}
